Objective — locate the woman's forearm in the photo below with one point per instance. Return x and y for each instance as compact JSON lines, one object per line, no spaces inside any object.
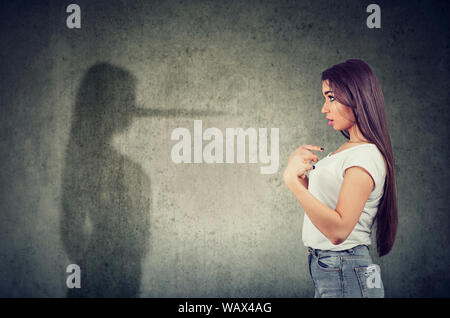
{"x":327,"y":220}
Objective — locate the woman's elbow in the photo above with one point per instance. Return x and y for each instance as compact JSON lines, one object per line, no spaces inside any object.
{"x":340,"y":233}
{"x":339,"y":238}
{"x":336,"y":241}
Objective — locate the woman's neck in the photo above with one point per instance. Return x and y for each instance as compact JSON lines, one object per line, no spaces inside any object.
{"x":355,"y":136}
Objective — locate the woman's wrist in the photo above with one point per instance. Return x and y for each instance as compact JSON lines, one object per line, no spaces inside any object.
{"x":293,"y":182}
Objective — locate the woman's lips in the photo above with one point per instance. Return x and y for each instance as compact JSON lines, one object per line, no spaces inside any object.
{"x":330,"y":122}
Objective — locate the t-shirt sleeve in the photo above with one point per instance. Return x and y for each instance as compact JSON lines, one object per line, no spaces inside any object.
{"x":372,"y":161}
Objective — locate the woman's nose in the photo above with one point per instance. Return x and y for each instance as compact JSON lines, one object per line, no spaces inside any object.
{"x":324,"y":110}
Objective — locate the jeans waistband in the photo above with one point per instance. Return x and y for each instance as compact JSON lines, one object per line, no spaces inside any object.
{"x":358,"y":249}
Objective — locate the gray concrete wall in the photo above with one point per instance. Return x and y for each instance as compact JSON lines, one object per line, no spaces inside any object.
{"x":85,"y":179}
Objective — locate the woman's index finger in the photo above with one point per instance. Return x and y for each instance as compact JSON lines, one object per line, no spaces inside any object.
{"x":313,"y":147}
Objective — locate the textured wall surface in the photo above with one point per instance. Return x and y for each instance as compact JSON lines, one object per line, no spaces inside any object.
{"x":86,"y":178}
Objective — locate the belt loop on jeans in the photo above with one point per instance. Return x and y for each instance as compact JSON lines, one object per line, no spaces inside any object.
{"x":312,"y":251}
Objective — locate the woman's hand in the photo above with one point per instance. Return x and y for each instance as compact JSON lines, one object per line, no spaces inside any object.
{"x":299,"y":164}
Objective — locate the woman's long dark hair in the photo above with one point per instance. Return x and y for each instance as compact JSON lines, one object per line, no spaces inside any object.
{"x":356,"y":86}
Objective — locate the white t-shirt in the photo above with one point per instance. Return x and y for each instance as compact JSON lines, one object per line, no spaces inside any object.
{"x":325,"y":183}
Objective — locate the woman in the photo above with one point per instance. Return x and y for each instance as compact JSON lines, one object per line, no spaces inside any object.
{"x":349,"y":189}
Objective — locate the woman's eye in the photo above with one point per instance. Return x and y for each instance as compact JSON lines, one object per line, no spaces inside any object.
{"x":331,"y":98}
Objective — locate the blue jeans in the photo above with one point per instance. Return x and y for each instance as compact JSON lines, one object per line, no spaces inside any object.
{"x":349,"y":273}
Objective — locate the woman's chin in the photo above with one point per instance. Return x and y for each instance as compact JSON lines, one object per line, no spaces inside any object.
{"x":337,"y":127}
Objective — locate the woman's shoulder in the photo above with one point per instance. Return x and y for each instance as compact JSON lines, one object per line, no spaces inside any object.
{"x":368,"y":153}
{"x":365,"y":148}
{"x":371,"y":150}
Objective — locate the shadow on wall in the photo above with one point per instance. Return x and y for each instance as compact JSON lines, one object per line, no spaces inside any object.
{"x":105,"y":226}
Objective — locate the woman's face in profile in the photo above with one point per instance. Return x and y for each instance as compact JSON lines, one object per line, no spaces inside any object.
{"x":339,"y":116}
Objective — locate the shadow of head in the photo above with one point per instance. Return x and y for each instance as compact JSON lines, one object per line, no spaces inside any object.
{"x":105,"y":100}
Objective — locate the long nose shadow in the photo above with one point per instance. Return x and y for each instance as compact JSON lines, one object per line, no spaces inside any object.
{"x":106,"y":207}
